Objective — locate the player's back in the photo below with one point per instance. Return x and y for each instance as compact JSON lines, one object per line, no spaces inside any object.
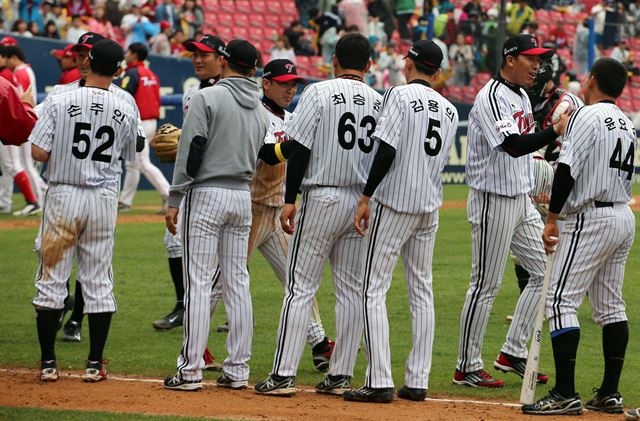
{"x":421,"y":125}
{"x":603,"y":146}
{"x":335,"y":119}
{"x":89,"y":130}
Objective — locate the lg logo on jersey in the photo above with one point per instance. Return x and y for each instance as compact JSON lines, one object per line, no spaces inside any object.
{"x":280,"y":137}
{"x":525,"y":122}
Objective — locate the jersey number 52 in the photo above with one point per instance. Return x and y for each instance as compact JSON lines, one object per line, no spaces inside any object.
{"x":82,"y":142}
{"x":347,"y":132}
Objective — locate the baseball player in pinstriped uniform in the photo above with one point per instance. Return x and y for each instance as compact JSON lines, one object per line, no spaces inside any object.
{"x":81,"y":134}
{"x":501,"y":214}
{"x":206,"y":63}
{"x":217,"y":154}
{"x":331,"y":133}
{"x":415,"y":132}
{"x":279,"y":83}
{"x":592,"y":185}
{"x":73,"y":327}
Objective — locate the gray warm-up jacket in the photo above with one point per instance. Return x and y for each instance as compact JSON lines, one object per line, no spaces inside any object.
{"x":222,"y":133}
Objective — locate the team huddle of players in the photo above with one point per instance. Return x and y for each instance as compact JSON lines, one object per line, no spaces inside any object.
{"x":368,"y":169}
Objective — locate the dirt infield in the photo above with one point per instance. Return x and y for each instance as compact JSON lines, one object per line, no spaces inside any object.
{"x":21,"y":388}
{"x":32,"y":222}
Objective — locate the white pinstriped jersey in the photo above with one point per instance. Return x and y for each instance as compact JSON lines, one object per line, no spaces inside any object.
{"x":420,"y":124}
{"x":599,"y":147}
{"x":336,"y":119}
{"x":85,"y":132}
{"x":498,"y":111}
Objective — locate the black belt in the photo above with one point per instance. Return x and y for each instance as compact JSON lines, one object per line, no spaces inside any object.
{"x":599,"y":204}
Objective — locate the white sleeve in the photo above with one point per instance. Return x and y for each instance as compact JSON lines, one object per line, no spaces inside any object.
{"x":391,"y":119}
{"x":42,"y":133}
{"x":304,"y":122}
{"x":496,"y":119}
{"x":578,"y":141}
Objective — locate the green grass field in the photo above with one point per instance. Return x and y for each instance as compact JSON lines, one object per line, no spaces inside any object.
{"x":144,"y":293}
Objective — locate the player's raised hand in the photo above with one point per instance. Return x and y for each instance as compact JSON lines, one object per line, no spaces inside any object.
{"x":363,"y":212}
{"x":287,"y":217}
{"x":27,"y":96}
{"x":561,"y":125}
{"x":171,"y":220}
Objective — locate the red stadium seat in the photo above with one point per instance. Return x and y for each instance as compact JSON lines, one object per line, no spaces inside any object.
{"x":224,"y":19}
{"x":256,"y":34}
{"x":241,"y":19}
{"x":272,"y":20}
{"x":454,"y":93}
{"x":243,"y":6}
{"x":303,"y":62}
{"x":240,"y":32}
{"x":228,"y":6}
{"x":270,"y":33}
{"x":259,"y":6}
{"x":626,"y":105}
{"x":225,"y":33}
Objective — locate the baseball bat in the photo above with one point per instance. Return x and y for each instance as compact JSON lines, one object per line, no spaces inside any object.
{"x":530,"y":379}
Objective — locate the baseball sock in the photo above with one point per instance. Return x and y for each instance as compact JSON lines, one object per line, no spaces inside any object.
{"x":24,"y":185}
{"x":565,"y":348}
{"x":175,"y":267}
{"x":615,"y":337}
{"x":46,"y":323}
{"x":523,"y":277}
{"x":78,"y":305}
{"x":98,"y":331}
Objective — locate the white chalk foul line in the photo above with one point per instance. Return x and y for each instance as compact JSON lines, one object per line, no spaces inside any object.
{"x":213,"y":384}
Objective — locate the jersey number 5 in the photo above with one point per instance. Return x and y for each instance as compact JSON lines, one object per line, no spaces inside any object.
{"x":432,"y":134}
{"x":347,"y":125}
{"x":622,"y":165}
{"x":82,"y":142}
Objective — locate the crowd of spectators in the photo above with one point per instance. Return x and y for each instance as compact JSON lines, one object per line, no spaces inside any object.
{"x":465,"y":31}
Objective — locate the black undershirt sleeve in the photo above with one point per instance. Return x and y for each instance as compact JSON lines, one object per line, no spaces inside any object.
{"x":518,"y":145}
{"x":267,"y":151}
{"x":381,"y":164}
{"x":562,"y":186}
{"x":296,"y":167}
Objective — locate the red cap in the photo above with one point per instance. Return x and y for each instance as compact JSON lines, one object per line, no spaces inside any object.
{"x":9,"y":41}
{"x":164,"y":25}
{"x":66,"y":52}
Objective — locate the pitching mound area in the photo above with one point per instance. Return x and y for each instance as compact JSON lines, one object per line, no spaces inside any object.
{"x":132,"y":394}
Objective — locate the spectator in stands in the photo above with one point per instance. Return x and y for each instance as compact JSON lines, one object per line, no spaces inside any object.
{"x":114,"y":14}
{"x":321,"y":21}
{"x":530,"y":28}
{"x":149,"y":8}
{"x":444,"y":66}
{"x":328,"y":44}
{"x":461,"y":60}
{"x":304,"y":10}
{"x":167,"y":11}
{"x":375,"y":32}
{"x":21,"y":28}
{"x":191,"y":18}
{"x":404,"y":11}
{"x":519,"y":14}
{"x":137,"y":27}
{"x":160,"y":43}
{"x":620,"y":52}
{"x":29,"y":11}
{"x":474,"y":6}
{"x":420,"y":31}
{"x":633,"y":20}
{"x":78,"y":7}
{"x":75,"y":29}
{"x":581,"y":48}
{"x":100,"y":24}
{"x":613,"y":23}
{"x":177,"y":43}
{"x":599,"y":12}
{"x":296,"y":36}
{"x":444,"y":26}
{"x":34,"y":29}
{"x":354,"y":12}
{"x":382,"y":9}
{"x":51,"y":30}
{"x":282,"y":49}
{"x":67,"y":61}
{"x":631,"y":67}
{"x":53,"y":11}
{"x":559,"y":36}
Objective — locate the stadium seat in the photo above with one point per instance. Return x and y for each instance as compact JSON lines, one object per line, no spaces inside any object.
{"x":228,"y":6}
{"x":259,"y":6}
{"x":626,"y":105}
{"x":241,"y":19}
{"x":272,"y":20}
{"x":240,"y":32}
{"x":256,"y":34}
{"x":454,"y":93}
{"x":225,"y":33}
{"x":270,"y":33}
{"x":224,"y":19}
{"x":542,"y":15}
{"x":243,"y":6}
{"x":257,"y":20}
{"x":303,"y":62}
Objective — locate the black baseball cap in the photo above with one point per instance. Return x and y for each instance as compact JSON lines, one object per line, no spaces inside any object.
{"x":281,"y":70}
{"x":241,"y":53}
{"x":106,"y":55}
{"x":426,"y":53}
{"x":88,"y":40}
{"x":207,"y":44}
{"x":524,"y":44}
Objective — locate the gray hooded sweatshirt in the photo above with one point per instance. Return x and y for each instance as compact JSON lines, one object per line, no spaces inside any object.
{"x":222,"y":133}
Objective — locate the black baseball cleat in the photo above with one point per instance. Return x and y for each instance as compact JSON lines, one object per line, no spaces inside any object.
{"x":321,"y":354}
{"x":277,"y":386}
{"x":412,"y":394}
{"x":72,"y":331}
{"x":334,"y":385}
{"x":370,"y":394}
{"x":171,"y":320}
{"x":510,"y":364}
{"x":228,"y":383}
{"x":176,"y":382}
{"x":555,"y":404}
{"x":611,"y":404}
